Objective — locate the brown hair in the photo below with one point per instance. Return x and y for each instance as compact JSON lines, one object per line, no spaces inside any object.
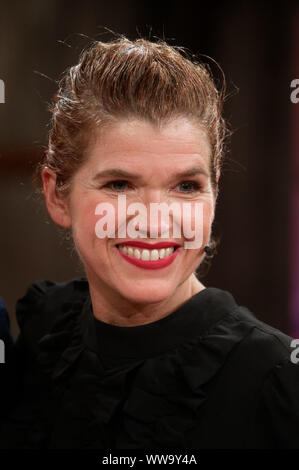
{"x":121,"y":79}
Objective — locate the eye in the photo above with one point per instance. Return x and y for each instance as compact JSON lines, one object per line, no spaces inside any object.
{"x":189,"y":186}
{"x":186,"y":187}
{"x":117,"y":185}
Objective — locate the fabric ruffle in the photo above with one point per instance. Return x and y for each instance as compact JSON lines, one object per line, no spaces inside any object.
{"x":146,"y":403}
{"x":160,"y":397}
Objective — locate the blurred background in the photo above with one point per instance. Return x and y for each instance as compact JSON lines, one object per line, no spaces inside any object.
{"x":257,"y":46}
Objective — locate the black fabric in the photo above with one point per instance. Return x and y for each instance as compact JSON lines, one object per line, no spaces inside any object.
{"x":7,"y":383}
{"x":209,"y":375}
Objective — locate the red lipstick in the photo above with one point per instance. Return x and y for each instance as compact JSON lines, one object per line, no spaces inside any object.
{"x":157,"y":264}
{"x":150,"y":246}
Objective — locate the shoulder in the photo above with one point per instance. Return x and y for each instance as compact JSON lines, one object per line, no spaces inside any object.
{"x":249,"y":346}
{"x":252,"y":337}
{"x":268,"y":359}
{"x":47,"y":302}
{"x":263,"y":366}
{"x":263,"y":340}
{"x":42,"y":289}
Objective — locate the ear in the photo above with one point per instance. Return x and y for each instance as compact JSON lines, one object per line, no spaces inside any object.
{"x":217,"y":176}
{"x":57,"y":205}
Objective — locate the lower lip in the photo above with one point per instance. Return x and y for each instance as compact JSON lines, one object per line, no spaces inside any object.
{"x":157,"y":264}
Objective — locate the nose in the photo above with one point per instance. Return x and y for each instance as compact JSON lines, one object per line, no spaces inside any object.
{"x":156,"y":226}
{"x":159,"y":219}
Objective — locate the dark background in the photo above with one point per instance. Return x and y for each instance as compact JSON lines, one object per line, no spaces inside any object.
{"x":256,"y":46}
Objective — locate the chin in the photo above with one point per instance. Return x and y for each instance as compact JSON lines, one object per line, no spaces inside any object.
{"x":150,"y":293}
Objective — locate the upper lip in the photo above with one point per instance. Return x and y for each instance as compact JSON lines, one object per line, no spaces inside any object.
{"x":150,"y":245}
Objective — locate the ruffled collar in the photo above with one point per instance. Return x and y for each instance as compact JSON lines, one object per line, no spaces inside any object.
{"x":116,"y":344}
{"x":127,"y":386}
{"x":76,"y":329}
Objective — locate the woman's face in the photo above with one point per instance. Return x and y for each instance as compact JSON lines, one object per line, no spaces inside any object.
{"x":134,"y":159}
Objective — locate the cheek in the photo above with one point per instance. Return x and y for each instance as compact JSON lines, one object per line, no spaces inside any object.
{"x":197,"y":219}
{"x":97,"y":220}
{"x":84,"y":219}
{"x":208,"y":216}
{"x":101,"y":220}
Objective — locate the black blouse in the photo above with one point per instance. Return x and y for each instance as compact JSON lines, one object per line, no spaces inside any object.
{"x":209,"y":375}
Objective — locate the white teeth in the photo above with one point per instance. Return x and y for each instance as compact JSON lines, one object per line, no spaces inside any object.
{"x":146,"y":255}
{"x":130,"y":251}
{"x":154,"y":255}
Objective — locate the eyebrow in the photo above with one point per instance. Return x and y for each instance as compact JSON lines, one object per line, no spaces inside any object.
{"x":119,"y":173}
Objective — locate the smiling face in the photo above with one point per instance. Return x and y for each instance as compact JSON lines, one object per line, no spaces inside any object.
{"x":135,"y":159}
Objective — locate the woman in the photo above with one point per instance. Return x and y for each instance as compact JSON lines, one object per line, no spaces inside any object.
{"x":140,"y":354}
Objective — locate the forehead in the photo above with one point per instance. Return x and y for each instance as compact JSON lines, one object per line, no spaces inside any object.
{"x":178,"y":142}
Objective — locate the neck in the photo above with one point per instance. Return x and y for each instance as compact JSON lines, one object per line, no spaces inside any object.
{"x":117,"y":310}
